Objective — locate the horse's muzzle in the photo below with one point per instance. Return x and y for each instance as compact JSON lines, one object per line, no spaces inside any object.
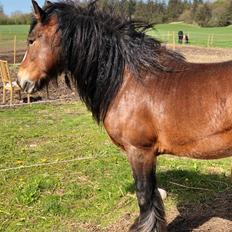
{"x":26,"y":85}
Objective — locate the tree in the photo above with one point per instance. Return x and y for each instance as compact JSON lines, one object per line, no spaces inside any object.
{"x":194,"y":7}
{"x":140,"y":10}
{"x":228,"y":14}
{"x":3,"y":17}
{"x":187,"y":4}
{"x":2,"y":14}
{"x":150,"y":11}
{"x":203,"y":15}
{"x":1,"y":9}
{"x":131,"y":8}
{"x":186,"y":16}
{"x":175,"y":9}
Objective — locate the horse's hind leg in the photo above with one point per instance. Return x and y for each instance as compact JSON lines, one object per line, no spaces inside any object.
{"x":152,"y":216}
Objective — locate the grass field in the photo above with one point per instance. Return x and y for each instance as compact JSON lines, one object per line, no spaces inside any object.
{"x":95,"y":192}
{"x":222,"y":36}
{"x":7,"y":34}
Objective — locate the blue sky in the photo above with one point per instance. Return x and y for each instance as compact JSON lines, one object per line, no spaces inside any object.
{"x":18,"y":5}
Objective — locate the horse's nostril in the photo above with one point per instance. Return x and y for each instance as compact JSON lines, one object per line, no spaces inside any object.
{"x":18,"y":83}
{"x":26,"y":86}
{"x":23,"y":85}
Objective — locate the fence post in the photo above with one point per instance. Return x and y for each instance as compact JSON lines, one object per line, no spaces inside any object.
{"x":173,"y":41}
{"x":14,"y":49}
{"x":208,"y":41}
{"x":212,"y":37}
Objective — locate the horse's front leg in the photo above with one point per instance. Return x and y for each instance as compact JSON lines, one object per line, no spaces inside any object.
{"x":152,"y":216}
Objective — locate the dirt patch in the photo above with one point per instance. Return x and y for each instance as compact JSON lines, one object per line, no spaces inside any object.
{"x":9,"y":56}
{"x":56,"y":91}
{"x":211,"y":216}
{"x":214,"y":216}
{"x":205,"y":55}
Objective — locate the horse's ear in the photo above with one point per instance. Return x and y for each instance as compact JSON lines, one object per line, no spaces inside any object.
{"x":47,"y":3}
{"x":38,"y":12}
{"x":92,"y":6}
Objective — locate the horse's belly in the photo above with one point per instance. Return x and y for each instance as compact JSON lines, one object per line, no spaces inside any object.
{"x":210,"y":147}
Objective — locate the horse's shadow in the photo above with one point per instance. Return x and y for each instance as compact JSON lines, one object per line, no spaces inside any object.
{"x":198,"y":198}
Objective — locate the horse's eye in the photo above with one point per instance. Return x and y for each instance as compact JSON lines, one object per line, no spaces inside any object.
{"x":31,"y":41}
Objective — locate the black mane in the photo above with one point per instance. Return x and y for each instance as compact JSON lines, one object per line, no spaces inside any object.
{"x":96,"y":48}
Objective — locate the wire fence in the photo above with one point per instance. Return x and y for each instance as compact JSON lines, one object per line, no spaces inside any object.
{"x":35,"y":165}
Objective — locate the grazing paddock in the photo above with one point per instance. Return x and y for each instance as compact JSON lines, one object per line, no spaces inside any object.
{"x":198,"y":36}
{"x":60,"y":172}
{"x":13,"y":37}
{"x":95,"y":194}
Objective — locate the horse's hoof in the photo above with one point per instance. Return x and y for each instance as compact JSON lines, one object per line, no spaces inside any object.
{"x":163,"y":193}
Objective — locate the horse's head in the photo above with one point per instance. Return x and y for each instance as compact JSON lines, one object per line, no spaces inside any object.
{"x":40,"y":62}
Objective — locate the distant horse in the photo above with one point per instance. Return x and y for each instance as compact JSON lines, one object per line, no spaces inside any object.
{"x":149,"y":99}
{"x":180,"y":37}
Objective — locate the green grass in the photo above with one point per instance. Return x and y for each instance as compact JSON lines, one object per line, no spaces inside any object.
{"x":64,"y":197}
{"x":7,"y":32}
{"x":222,"y":36}
{"x":7,"y":35}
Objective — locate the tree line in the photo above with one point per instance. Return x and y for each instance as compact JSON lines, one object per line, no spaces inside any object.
{"x":15,"y":18}
{"x":206,"y":14}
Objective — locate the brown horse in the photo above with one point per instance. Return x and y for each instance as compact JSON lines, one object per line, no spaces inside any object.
{"x":150,"y":100}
